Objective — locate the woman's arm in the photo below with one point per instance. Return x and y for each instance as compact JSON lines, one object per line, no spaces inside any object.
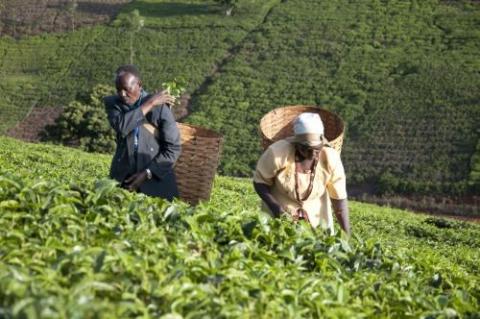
{"x":340,"y":207}
{"x":263,"y":190}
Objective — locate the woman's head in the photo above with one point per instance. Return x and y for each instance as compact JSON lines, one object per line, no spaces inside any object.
{"x":306,"y":151}
{"x":308,"y":129}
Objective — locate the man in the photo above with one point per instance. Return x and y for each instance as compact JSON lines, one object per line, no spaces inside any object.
{"x":148,"y":140}
{"x":303,"y":177}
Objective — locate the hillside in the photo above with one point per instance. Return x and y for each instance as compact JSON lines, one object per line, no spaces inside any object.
{"x":180,"y":39}
{"x":73,"y":245}
{"x":28,"y":17}
{"x":402,"y":74}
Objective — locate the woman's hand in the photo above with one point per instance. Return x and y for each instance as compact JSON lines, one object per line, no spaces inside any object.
{"x":266,"y":195}
{"x":277,"y":210}
{"x":295,"y":216}
{"x":340,"y":208}
{"x":300,"y":214}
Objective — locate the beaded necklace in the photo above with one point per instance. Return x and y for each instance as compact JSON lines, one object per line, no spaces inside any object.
{"x":310,"y":183}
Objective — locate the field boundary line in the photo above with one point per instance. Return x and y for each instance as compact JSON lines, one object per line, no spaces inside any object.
{"x":230,"y":54}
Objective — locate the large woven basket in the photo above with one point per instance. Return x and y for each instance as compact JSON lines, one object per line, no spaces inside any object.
{"x":196,"y":167}
{"x":278,"y":124}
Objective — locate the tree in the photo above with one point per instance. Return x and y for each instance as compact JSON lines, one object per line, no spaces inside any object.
{"x":84,"y":123}
{"x":474,"y":177}
{"x":70,"y":7}
{"x":228,"y":5}
{"x":132,"y":23}
{"x":12,"y":22}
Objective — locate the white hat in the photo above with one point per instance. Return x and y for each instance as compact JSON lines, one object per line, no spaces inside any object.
{"x":308,"y":129}
{"x":308,"y":123}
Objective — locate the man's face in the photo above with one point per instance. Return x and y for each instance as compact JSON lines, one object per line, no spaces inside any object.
{"x":128,"y":88}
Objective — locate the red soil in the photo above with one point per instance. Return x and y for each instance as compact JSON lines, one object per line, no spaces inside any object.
{"x":29,"y":17}
{"x":34,"y":123}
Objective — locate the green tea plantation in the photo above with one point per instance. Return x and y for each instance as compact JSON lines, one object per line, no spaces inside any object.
{"x":403,"y":74}
{"x":74,"y":245}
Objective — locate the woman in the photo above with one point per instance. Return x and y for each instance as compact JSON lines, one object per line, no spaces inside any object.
{"x":302,"y":176}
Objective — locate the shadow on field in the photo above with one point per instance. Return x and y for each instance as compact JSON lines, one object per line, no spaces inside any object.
{"x":170,"y":9}
{"x":96,"y":8}
{"x":92,"y":7}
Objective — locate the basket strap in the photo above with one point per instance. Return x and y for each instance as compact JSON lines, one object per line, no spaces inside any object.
{"x":152,"y":129}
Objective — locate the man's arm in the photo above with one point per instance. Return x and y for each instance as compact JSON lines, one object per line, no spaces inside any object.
{"x":340,"y":207}
{"x":125,"y":122}
{"x":157,"y":99}
{"x":169,"y":141}
{"x":263,"y":190}
{"x":122,"y":122}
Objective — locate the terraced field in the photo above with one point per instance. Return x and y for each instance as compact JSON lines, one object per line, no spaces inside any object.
{"x":402,"y":74}
{"x":29,"y":17}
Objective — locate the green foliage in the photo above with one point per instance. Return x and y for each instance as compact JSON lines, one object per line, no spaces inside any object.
{"x":71,"y":6}
{"x":474,"y":178}
{"x":131,"y":23}
{"x":72,"y":244}
{"x":178,"y":40}
{"x":228,"y":5}
{"x":37,"y":160}
{"x":84,"y":124}
{"x":175,"y":88}
{"x":165,"y":14}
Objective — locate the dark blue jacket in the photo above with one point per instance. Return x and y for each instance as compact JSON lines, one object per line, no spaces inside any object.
{"x":158,"y":153}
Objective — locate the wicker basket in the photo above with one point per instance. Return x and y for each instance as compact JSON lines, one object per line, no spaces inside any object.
{"x":278,"y":124}
{"x":196,"y":167}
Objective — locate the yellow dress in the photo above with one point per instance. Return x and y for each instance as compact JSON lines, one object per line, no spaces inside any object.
{"x":276,"y":168}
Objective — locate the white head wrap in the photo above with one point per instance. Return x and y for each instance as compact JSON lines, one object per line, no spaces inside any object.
{"x":308,"y":123}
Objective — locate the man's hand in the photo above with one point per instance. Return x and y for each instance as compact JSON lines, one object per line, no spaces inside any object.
{"x":161,"y":98}
{"x":158,"y":98}
{"x":135,"y":181}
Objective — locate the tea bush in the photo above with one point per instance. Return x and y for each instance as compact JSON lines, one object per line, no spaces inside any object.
{"x":72,"y":244}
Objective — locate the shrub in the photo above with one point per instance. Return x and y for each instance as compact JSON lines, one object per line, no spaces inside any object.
{"x":84,"y":123}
